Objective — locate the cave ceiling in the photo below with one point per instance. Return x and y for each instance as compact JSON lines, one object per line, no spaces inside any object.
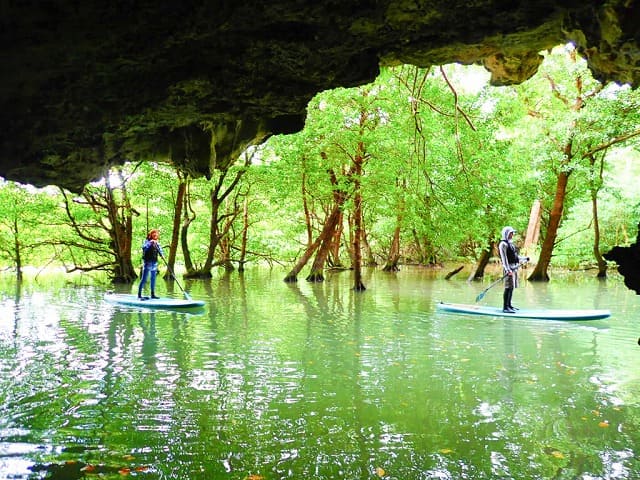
{"x":86,"y":85}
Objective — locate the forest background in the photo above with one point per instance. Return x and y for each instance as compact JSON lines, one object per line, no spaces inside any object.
{"x":423,"y":166}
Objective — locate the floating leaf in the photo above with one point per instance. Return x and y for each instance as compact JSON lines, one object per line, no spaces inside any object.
{"x":88,"y":468}
{"x":604,"y":424}
{"x":124,"y":471}
{"x":380,"y":472}
{"x":129,"y":457}
{"x":557,"y":454}
{"x":254,"y":476}
{"x":445,"y":451}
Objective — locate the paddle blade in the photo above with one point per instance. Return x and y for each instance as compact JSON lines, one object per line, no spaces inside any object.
{"x":481,"y":296}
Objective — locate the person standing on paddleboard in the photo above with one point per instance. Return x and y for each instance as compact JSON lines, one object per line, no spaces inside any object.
{"x":510,"y":263}
{"x":150,"y":250}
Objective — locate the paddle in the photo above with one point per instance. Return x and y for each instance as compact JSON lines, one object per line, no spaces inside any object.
{"x":186,"y":295}
{"x":484,"y":292}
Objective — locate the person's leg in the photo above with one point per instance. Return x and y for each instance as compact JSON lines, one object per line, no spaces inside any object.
{"x":509,"y":297}
{"x":143,"y":280}
{"x":508,"y":292}
{"x":505,"y":300}
{"x":153,"y":283}
{"x":515,"y":285}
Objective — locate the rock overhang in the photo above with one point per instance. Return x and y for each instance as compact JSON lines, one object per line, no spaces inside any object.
{"x":87,"y":85}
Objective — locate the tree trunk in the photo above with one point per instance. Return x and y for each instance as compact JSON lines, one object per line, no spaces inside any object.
{"x":371,"y":259}
{"x":327,"y":231}
{"x":175,"y":230}
{"x":317,"y":269}
{"x":336,"y":241}
{"x":121,"y":220}
{"x":17,"y":253}
{"x":420,"y":255}
{"x":453,"y":272}
{"x":533,"y":228}
{"x":358,"y":285}
{"x":225,"y":255}
{"x":218,"y":194}
{"x":540,"y":272}
{"x":245,"y":233}
{"x":305,"y":206}
{"x":214,"y":235}
{"x":483,"y":261}
{"x":292,"y":276}
{"x":394,"y":251}
{"x":602,"y":264}
{"x":114,"y":235}
{"x":187,"y":217}
{"x":595,"y":184}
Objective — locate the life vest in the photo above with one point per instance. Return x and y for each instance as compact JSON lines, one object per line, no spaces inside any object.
{"x":512,"y":253}
{"x":150,"y":254}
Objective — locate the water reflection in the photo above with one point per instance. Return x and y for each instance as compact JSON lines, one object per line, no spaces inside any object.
{"x":314,"y":380}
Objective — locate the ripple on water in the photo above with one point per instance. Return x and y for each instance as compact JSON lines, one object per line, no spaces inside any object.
{"x":276,"y":378}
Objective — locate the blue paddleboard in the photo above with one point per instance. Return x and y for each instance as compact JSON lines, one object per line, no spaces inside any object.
{"x":541,"y":314}
{"x":147,"y":302}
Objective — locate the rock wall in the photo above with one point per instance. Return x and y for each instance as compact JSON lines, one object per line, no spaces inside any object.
{"x":90,"y":84}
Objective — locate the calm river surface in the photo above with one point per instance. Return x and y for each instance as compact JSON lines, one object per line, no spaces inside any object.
{"x":314,"y":381}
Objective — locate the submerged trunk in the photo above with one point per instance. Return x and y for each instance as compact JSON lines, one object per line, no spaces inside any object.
{"x":175,"y":231}
{"x":540,"y":271}
{"x":358,"y":284}
{"x":596,"y":184}
{"x":244,"y":236}
{"x":333,"y":258}
{"x":317,"y":269}
{"x":602,"y":264}
{"x":17,"y":250}
{"x":483,"y":261}
{"x":121,"y":220}
{"x":533,"y":228}
{"x":394,"y":251}
{"x":187,"y":217}
{"x":327,"y":231}
{"x":371,"y":259}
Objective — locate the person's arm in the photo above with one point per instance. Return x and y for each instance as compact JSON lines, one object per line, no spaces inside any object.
{"x":502,"y":250}
{"x":148,"y":244}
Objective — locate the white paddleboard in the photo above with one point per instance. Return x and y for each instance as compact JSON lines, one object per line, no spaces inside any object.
{"x":147,"y":302}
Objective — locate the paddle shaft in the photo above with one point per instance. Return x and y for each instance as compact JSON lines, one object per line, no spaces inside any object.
{"x":484,"y":292}
{"x":173,"y":275}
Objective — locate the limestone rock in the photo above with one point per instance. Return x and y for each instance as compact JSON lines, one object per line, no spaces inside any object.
{"x":90,"y":84}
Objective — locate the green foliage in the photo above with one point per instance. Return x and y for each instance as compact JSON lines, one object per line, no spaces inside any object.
{"x":619,"y":211}
{"x":448,"y":161}
{"x":25,"y":224}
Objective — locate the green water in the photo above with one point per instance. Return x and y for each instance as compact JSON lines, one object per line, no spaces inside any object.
{"x":316,"y":381}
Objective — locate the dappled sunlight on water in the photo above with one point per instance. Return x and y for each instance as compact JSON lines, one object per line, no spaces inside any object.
{"x":277,"y":380}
